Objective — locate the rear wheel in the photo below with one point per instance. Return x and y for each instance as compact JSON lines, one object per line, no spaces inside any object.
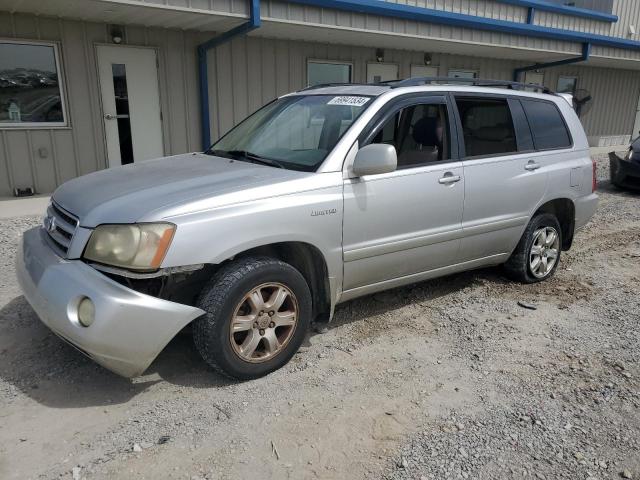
{"x":538,"y":253}
{"x":258,"y":311}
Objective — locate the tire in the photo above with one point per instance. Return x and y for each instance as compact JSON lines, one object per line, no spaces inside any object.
{"x":232,"y":297}
{"x":614,"y":173}
{"x":520,"y":265}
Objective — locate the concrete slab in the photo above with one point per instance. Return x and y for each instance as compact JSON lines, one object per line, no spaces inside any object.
{"x":11,"y":207}
{"x":611,"y":148}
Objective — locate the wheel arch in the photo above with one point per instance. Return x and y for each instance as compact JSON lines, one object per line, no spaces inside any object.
{"x":565,"y":211}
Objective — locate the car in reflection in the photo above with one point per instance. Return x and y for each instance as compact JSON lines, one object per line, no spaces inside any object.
{"x":44,"y":109}
{"x":625,"y":171}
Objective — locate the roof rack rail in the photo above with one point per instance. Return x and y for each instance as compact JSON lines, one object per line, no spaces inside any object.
{"x":325,"y":85}
{"x":479,"y":82}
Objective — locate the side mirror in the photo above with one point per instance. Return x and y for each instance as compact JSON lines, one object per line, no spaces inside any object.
{"x":374,"y":159}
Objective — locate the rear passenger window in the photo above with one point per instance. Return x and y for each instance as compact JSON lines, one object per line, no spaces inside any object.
{"x":487,"y":126}
{"x":548,"y":129}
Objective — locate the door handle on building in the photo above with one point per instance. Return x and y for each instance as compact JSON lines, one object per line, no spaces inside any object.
{"x":531,"y":166}
{"x":108,"y":116}
{"x":449,"y":179}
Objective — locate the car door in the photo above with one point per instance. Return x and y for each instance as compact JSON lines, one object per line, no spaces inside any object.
{"x":504,"y":180}
{"x":408,"y":221}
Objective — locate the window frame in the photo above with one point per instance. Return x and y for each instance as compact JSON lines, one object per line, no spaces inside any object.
{"x":61,"y":85}
{"x":564,"y":122}
{"x":491,"y":96}
{"x":393,"y":106}
{"x":328,"y":62}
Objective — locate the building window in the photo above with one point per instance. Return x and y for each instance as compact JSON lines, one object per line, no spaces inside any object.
{"x":30,"y":85}
{"x":567,"y":84}
{"x":471,"y":74}
{"x":320,"y":72}
{"x":605,"y":6}
{"x":423,"y":71}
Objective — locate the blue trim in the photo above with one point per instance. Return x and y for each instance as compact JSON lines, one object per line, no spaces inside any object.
{"x":252,"y":24}
{"x":586,"y":52}
{"x":531,"y":14}
{"x":408,"y":12}
{"x":563,"y":9}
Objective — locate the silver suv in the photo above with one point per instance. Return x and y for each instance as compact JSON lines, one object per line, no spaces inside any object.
{"x":321,"y":196}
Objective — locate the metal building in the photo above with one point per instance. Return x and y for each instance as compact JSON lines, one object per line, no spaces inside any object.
{"x":89,"y":84}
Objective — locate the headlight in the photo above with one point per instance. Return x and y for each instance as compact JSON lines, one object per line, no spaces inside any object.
{"x":135,"y":247}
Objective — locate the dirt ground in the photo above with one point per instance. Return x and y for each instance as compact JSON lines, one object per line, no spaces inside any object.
{"x":450,"y":378}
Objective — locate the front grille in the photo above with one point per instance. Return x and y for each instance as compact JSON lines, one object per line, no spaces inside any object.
{"x":60,"y":225}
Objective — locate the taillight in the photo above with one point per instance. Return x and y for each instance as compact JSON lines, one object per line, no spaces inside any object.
{"x":594,"y":182}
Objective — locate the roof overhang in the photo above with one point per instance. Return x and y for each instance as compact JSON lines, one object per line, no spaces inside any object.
{"x":285,"y":29}
{"x":129,"y":12}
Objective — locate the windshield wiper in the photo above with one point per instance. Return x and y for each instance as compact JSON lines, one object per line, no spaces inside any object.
{"x":255,"y":158}
{"x":219,"y":153}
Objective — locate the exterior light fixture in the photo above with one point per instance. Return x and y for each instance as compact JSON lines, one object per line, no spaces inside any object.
{"x":116,"y":35}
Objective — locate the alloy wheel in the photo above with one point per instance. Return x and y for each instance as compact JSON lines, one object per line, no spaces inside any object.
{"x":263,"y":322}
{"x":544,"y":251}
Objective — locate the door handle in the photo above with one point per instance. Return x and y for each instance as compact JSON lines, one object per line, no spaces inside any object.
{"x":531,"y":166}
{"x":108,"y":116}
{"x":449,"y":179}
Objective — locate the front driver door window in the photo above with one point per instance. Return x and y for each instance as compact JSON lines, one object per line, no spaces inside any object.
{"x":408,"y":221}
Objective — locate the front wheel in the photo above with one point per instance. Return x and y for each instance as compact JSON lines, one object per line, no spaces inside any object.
{"x":258,"y":311}
{"x":538,"y":253}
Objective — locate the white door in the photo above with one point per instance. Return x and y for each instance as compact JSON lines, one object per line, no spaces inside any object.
{"x":130,"y":103}
{"x":423,"y":71}
{"x":381,"y":72}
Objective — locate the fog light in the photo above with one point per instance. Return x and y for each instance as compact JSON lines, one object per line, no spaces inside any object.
{"x":86,"y":312}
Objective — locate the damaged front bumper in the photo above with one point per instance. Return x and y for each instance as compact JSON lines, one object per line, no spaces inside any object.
{"x":624,"y":172}
{"x":130,"y":328}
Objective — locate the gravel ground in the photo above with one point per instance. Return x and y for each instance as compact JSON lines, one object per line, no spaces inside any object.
{"x":450,"y":378}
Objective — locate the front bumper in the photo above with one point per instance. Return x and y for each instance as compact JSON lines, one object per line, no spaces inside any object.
{"x":624,"y":173}
{"x":130,"y":328}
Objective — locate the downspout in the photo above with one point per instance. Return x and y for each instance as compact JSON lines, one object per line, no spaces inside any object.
{"x":586,"y":51}
{"x":203,"y":48}
{"x":531,"y":14}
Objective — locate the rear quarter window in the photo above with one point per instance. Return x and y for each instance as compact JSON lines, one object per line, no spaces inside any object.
{"x":547,"y":125}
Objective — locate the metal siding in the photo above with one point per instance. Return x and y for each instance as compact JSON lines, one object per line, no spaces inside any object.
{"x":278,"y":10}
{"x":628,"y":12}
{"x":225,"y":6}
{"x":274,"y":67}
{"x":46,"y":157}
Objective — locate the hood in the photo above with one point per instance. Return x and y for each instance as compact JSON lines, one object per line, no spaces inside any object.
{"x":126,"y":194}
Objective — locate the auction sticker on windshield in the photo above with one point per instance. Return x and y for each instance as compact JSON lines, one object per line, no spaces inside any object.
{"x":348,"y":100}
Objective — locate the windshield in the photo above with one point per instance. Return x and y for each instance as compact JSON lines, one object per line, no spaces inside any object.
{"x":295,"y":132}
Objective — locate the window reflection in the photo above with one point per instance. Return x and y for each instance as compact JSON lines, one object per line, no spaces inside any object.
{"x":29,"y":84}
